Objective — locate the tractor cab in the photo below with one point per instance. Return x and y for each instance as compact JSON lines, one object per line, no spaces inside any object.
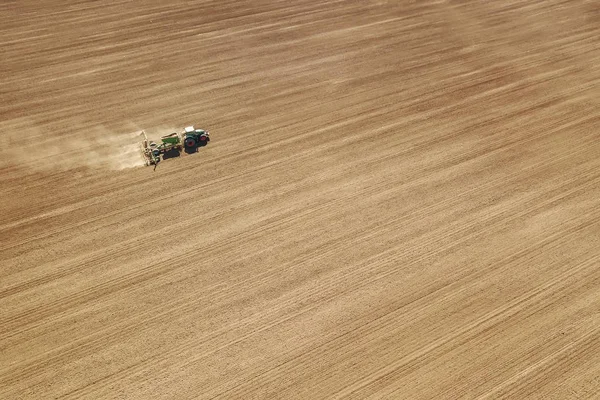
{"x":194,"y":138}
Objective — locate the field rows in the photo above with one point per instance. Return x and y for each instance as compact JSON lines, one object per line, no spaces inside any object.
{"x":400,"y":200}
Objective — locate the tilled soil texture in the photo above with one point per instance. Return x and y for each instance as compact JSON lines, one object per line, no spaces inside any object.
{"x":400,"y":200}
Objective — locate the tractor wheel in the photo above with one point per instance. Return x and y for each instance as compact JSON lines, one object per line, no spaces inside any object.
{"x":190,"y":143}
{"x":203,"y":141}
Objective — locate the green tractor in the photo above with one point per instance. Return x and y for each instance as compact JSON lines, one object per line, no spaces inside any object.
{"x":189,"y":140}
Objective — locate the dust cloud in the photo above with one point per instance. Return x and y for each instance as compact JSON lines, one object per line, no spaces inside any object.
{"x":94,"y":148}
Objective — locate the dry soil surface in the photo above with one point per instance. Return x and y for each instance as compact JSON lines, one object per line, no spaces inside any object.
{"x":400,"y":200}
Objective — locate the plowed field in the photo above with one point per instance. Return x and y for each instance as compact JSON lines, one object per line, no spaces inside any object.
{"x":400,"y":200}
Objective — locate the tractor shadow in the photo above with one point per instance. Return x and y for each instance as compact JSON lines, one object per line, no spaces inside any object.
{"x":192,"y":150}
{"x":173,"y":153}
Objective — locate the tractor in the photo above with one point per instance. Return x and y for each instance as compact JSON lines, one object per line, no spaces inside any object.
{"x":189,"y":140}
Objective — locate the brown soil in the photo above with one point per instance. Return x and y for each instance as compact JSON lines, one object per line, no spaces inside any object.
{"x":400,"y":200}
